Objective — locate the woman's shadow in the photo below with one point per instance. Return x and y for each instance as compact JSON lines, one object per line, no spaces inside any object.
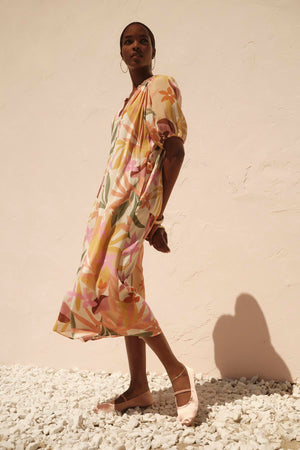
{"x":242,"y":349}
{"x":243,"y":345}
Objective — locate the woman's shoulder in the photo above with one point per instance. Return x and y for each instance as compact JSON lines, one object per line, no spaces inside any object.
{"x":162,"y":82}
{"x":162,"y":78}
{"x":164,"y":85}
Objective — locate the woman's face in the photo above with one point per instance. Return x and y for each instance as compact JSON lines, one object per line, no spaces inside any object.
{"x":137,"y":49}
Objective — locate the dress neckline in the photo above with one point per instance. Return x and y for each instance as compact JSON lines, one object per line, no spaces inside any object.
{"x":119,"y":114}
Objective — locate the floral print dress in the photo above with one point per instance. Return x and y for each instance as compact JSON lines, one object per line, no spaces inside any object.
{"x":108,"y":296}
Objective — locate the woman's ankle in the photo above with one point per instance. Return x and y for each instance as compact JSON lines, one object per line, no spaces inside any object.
{"x":139,"y":385}
{"x":175,"y":370}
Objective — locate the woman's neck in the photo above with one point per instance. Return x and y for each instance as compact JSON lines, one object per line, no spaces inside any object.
{"x":137,"y":77}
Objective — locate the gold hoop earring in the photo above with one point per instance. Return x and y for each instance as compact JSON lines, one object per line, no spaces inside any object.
{"x":124,"y":71}
{"x":154,"y":64}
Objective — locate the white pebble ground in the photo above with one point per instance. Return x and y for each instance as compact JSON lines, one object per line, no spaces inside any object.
{"x":49,"y":408}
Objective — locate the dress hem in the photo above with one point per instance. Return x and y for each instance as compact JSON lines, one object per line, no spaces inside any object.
{"x":98,"y":337}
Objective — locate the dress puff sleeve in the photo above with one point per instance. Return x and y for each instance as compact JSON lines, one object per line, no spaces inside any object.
{"x":163,"y":115}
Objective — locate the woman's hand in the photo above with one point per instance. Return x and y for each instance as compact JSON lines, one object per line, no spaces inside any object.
{"x":159,"y":239}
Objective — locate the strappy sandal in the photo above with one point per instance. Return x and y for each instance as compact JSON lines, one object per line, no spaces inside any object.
{"x":141,"y":400}
{"x":187,"y":413}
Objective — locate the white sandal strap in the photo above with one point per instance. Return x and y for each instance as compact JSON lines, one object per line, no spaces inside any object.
{"x":183,"y":390}
{"x":177,"y":376}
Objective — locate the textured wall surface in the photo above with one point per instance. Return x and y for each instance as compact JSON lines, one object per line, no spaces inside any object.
{"x":227,"y":296}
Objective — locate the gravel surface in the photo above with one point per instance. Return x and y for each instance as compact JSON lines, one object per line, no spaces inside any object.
{"x":43,"y":407}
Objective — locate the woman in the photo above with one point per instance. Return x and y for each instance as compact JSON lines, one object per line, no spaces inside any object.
{"x":108,"y":297}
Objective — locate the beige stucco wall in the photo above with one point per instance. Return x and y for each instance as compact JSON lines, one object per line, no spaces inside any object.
{"x":227,"y":296}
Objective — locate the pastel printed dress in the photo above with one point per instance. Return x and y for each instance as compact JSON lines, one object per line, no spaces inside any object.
{"x":108,"y":296}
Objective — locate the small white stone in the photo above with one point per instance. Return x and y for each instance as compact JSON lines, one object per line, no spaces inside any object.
{"x":189,"y":440}
{"x":294,"y":416}
{"x":6,"y":444}
{"x":33,"y":446}
{"x":46,"y":430}
{"x":120,"y":447}
{"x":129,"y":446}
{"x":221,"y":418}
{"x":157,"y":442}
{"x":85,"y":438}
{"x":78,"y":420}
{"x":96,"y":440}
{"x":133,"y":423}
{"x":275,"y":445}
{"x":170,"y":440}
{"x":224,"y":433}
{"x":261,"y":439}
{"x":187,"y":432}
{"x":237,"y":414}
{"x":296,"y":391}
{"x":19,"y":446}
{"x":56,"y":429}
{"x":146,"y":445}
{"x":297,"y":405}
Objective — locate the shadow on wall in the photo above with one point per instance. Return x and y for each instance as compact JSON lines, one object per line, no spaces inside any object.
{"x":243,"y":346}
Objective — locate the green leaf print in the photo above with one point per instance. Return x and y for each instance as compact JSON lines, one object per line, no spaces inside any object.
{"x":105,"y":191}
{"x":136,"y":221}
{"x":146,"y":333}
{"x":113,"y":136}
{"x":82,"y":256}
{"x":119,"y":212}
{"x":149,"y":111}
{"x":132,"y":195}
{"x":73,"y":325}
{"x":107,"y":331}
{"x":107,"y":186}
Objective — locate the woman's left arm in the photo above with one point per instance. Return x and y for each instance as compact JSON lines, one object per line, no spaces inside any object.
{"x":173,"y":160}
{"x":171,"y":167}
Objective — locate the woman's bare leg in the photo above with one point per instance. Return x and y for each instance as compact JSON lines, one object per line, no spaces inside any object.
{"x":162,"y":349}
{"x":136,"y":353}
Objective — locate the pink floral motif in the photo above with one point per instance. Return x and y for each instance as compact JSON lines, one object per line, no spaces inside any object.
{"x":88,"y":234}
{"x":132,"y":248}
{"x":88,"y":297}
{"x":71,"y":294}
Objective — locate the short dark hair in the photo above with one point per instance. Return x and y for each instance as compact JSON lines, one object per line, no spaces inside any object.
{"x":139,"y":23}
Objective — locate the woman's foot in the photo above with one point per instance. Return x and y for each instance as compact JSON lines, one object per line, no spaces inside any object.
{"x":134,"y":396}
{"x":132,"y":392}
{"x":180,"y":380}
{"x":186,"y":413}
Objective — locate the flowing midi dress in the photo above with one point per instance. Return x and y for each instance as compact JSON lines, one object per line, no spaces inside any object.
{"x":108,"y":295}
